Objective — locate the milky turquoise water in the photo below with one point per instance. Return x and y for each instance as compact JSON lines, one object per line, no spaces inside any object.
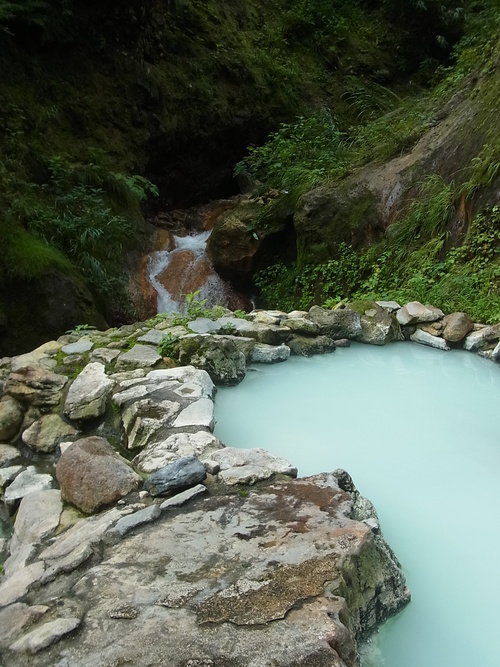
{"x":419,"y":431}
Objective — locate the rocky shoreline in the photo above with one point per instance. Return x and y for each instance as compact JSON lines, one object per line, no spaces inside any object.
{"x":131,"y":535}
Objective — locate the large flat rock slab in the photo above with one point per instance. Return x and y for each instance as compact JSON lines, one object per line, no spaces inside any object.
{"x":247,"y":466}
{"x":230,"y":581}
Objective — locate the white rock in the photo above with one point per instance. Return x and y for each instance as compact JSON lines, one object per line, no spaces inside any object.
{"x":19,"y":583}
{"x":185,"y":374}
{"x":200,"y":413}
{"x":80,"y":347}
{"x":105,"y":355}
{"x":131,"y":521}
{"x":152,"y":337}
{"x":297,"y":314}
{"x":182,"y":498}
{"x":45,"y":635}
{"x":269,"y":354}
{"x":495,"y":355}
{"x":28,"y":481}
{"x":425,"y":338}
{"x":89,"y":392}
{"x":157,"y":455}
{"x":391,"y":306}
{"x":247,"y":466}
{"x":7,"y":475}
{"x":139,"y":356}
{"x":37,"y":517}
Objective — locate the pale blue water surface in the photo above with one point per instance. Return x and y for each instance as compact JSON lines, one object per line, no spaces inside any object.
{"x":418,"y":429}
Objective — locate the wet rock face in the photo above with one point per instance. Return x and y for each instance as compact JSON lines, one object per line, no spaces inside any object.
{"x":233,"y":579}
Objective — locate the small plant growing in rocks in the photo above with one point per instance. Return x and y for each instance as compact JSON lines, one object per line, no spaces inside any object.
{"x":228,"y":329}
{"x":167,"y":347}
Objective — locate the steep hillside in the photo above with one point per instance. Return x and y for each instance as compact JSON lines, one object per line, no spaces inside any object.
{"x":96,"y":96}
{"x":405,"y":206}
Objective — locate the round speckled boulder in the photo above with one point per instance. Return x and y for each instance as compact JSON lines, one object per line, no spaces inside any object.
{"x":92,"y":475}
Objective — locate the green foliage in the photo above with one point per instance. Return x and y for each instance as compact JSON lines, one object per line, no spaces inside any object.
{"x":75,"y":211}
{"x":48,"y":16}
{"x":217,"y":311}
{"x":240,"y":314}
{"x":168,"y":345}
{"x":24,"y":256}
{"x":228,"y":328}
{"x":484,"y":169}
{"x":299,"y":156}
{"x":196,"y":307}
{"x":411,"y":263}
{"x":426,"y":218}
{"x":81,"y":328}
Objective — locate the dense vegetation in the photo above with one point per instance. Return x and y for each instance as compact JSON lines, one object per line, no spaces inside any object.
{"x":100,"y":100}
{"x":421,"y":255}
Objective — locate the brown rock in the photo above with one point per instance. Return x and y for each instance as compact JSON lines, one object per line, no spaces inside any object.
{"x":36,"y":386}
{"x":91,"y":474}
{"x":456,"y":327}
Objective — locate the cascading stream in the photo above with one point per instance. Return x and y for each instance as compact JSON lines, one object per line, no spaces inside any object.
{"x":184,"y":270}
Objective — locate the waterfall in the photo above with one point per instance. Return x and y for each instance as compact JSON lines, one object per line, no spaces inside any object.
{"x":183,"y":270}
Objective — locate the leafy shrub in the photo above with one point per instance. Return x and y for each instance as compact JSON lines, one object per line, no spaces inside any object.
{"x":76,"y":212}
{"x":168,"y":345}
{"x":196,"y":307}
{"x":299,"y":156}
{"x":228,"y":328}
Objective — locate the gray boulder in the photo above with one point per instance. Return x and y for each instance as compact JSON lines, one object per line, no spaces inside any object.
{"x":45,"y":635}
{"x":11,"y":417}
{"x":88,"y":395}
{"x":37,"y":517}
{"x":307,"y":346}
{"x":339,"y":323}
{"x":425,"y":338}
{"x":92,"y":475}
{"x":269,"y":354}
{"x":28,"y":481}
{"x":301,"y":325}
{"x":140,"y":356}
{"x":217,"y":355}
{"x":247,"y":466}
{"x":414,"y":313}
{"x":484,"y":337}
{"x":456,"y":327}
{"x":8,"y":455}
{"x":46,"y":433}
{"x":81,"y":346}
{"x":377,"y":326}
{"x":183,"y":473}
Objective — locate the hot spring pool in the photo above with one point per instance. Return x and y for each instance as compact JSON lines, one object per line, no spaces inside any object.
{"x":419,"y":431}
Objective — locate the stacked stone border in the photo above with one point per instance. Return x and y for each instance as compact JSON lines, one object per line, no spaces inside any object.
{"x":101,"y":436}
